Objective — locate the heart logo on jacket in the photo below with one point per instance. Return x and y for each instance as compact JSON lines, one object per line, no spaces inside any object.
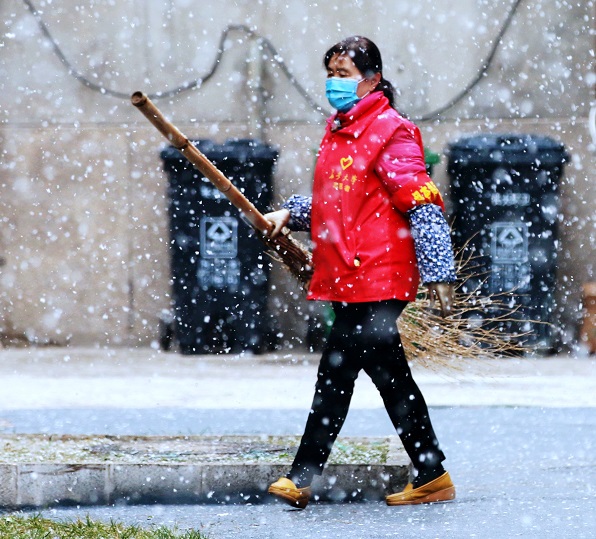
{"x":345,"y":162}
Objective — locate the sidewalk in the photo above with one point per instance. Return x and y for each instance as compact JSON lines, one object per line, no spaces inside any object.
{"x":48,"y":470}
{"x":38,"y":378}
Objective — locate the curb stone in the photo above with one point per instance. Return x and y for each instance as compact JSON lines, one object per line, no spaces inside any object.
{"x":44,"y":470}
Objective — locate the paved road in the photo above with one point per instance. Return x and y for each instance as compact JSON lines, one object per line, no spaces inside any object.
{"x":520,"y":472}
{"x":520,"y":437}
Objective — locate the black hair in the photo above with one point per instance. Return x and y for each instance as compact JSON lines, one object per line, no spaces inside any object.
{"x":367,"y":58}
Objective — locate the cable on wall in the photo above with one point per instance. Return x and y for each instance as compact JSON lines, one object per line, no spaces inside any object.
{"x":274,"y":56}
{"x":481,"y":72}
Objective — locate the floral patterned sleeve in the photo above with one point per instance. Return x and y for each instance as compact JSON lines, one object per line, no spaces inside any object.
{"x":299,"y":207}
{"x":432,"y":242}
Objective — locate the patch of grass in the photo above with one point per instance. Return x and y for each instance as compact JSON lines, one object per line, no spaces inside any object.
{"x":371,"y":452}
{"x":75,"y":450}
{"x":36,"y":527}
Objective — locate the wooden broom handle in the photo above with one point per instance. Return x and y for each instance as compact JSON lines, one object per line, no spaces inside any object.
{"x":198,"y":159}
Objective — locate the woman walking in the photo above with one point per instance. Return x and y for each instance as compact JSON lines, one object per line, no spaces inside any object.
{"x":377,"y":224}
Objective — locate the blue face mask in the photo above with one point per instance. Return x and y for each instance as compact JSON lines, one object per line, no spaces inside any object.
{"x":341,"y":93}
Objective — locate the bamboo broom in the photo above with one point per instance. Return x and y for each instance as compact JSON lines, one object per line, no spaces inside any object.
{"x":426,"y":336}
{"x":290,"y":252}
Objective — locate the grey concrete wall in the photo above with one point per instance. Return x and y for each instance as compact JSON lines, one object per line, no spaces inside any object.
{"x":83,"y":212}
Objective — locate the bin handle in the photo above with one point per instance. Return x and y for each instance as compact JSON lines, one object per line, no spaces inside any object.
{"x":509,"y":140}
{"x":296,"y":258}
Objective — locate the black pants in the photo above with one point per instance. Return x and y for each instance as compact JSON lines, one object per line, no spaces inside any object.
{"x":365,"y":336}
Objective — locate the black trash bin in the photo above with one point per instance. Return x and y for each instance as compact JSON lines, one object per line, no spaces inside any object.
{"x":504,"y":190}
{"x":219,"y":271}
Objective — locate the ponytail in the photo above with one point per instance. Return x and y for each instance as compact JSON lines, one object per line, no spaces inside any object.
{"x":388,"y":90}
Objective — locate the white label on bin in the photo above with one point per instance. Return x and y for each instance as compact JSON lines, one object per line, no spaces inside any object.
{"x":509,"y":242}
{"x":510,"y":199}
{"x":509,"y":278}
{"x":219,"y":237}
{"x":510,"y":270}
{"x":221,"y":274}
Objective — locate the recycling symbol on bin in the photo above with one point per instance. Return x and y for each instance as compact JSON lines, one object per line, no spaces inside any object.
{"x":219,"y":237}
{"x":509,"y":242}
{"x":510,"y":238}
{"x":219,"y":232}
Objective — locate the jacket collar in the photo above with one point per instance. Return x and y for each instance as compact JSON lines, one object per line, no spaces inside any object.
{"x":345,"y":121}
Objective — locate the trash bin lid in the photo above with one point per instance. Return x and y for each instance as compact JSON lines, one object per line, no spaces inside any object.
{"x":170,"y":153}
{"x":243,"y":149}
{"x":508,"y":148}
{"x":234,"y":149}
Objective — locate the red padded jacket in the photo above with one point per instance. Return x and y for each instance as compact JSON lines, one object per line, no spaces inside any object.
{"x":369,"y":173}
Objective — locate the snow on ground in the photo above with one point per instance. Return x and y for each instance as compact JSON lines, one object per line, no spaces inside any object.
{"x":38,"y":378}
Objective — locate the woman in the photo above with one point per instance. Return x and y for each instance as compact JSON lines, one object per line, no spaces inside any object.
{"x":377,"y":224}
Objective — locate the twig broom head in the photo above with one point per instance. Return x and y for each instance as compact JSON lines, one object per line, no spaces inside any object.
{"x":471,"y":332}
{"x":292,"y":254}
